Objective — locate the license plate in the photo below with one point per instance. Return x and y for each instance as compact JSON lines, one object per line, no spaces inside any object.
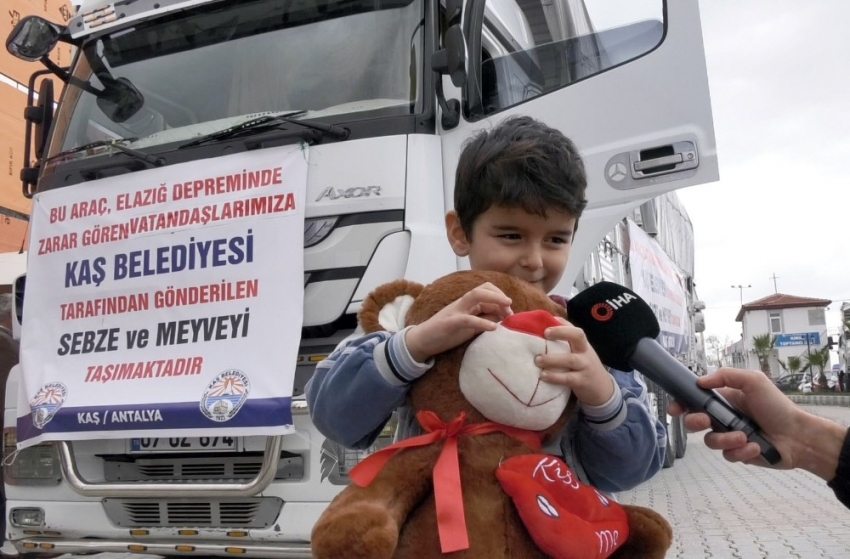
{"x":184,"y":444}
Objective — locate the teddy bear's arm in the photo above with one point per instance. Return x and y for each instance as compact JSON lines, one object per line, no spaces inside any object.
{"x":364,"y":522}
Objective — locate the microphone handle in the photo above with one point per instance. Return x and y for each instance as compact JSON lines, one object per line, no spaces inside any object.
{"x":654,"y":362}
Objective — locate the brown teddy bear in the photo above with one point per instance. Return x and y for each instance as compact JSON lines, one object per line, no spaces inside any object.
{"x":476,"y":484}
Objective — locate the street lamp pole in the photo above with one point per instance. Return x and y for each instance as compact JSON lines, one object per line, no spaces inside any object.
{"x":740,"y":289}
{"x":809,"y":358}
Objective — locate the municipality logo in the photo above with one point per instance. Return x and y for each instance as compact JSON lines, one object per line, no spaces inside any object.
{"x":224,"y":396}
{"x":47,"y":402}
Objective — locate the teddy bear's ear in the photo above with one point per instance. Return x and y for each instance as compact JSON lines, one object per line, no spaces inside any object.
{"x":386,"y":307}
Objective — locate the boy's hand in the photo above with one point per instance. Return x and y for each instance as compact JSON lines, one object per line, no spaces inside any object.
{"x":477,"y":311}
{"x":581,"y":370}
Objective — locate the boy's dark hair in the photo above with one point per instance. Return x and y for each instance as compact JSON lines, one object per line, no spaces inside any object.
{"x":521,"y":163}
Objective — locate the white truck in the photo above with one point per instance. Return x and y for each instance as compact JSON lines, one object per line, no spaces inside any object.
{"x":651,"y":251}
{"x":844,"y":333}
{"x":385,"y":94}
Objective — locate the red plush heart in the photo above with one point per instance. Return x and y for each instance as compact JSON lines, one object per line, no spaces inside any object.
{"x":566,"y":518}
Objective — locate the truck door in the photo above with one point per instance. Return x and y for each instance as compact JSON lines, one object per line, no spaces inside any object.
{"x":624,"y":79}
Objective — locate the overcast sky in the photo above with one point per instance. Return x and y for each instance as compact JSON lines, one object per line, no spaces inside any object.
{"x":779,"y":73}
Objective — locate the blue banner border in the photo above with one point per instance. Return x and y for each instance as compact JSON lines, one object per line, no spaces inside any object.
{"x":262,"y":412}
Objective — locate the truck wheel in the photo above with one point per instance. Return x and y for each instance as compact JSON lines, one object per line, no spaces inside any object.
{"x":680,"y":436}
{"x":661,"y":402}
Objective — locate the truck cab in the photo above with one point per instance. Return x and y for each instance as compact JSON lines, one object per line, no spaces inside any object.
{"x":381,"y":95}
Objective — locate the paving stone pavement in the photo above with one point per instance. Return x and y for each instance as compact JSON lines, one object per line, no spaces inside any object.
{"x":721,"y":510}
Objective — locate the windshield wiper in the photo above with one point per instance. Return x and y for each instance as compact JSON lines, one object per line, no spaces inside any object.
{"x":117,"y":144}
{"x":337,"y":132}
{"x":264,"y":123}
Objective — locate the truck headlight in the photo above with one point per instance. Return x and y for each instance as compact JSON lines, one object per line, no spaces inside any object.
{"x":27,"y":517}
{"x":36,"y":465}
{"x":316,"y":229}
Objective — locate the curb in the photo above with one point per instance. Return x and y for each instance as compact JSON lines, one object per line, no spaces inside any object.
{"x":821,"y":400}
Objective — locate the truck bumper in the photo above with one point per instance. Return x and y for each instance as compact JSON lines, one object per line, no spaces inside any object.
{"x":169,"y":548}
{"x":84,"y":527}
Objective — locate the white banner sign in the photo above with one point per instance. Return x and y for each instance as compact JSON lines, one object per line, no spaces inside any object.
{"x":658,"y":281}
{"x":166,"y":302}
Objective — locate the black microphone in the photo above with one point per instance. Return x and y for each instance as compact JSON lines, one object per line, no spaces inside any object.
{"x":622,"y":328}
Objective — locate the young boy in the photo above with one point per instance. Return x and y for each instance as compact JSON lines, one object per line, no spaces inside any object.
{"x":519,"y":192}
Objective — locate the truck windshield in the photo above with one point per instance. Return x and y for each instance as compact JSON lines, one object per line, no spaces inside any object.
{"x":202,"y":70}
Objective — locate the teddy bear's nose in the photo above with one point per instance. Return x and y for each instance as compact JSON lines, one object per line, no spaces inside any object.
{"x":534,"y":323}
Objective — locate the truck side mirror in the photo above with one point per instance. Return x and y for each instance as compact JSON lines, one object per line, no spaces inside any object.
{"x":119,"y":99}
{"x":33,"y":38}
{"x":42,"y":116}
{"x":452,"y":59}
{"x":699,"y":322}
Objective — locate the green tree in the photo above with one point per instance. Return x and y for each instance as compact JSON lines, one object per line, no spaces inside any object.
{"x":763,"y":347}
{"x":793,"y":365}
{"x":815,"y":362}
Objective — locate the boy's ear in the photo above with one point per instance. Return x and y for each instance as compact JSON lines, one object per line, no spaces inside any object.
{"x":457,"y":237}
{"x":385,"y":309}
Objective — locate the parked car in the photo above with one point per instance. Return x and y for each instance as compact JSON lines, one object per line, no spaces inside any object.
{"x":793,"y":382}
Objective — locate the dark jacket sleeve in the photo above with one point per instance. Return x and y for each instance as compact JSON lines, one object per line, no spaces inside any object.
{"x":840,"y":484}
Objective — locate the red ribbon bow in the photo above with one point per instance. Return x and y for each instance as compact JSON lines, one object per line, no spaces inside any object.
{"x":451,"y":522}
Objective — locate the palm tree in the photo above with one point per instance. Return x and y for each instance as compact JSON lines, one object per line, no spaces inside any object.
{"x":763,"y":347}
{"x":793,"y":365}
{"x":818,"y":360}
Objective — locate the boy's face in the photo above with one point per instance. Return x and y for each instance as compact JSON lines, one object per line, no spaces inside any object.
{"x":513,"y":241}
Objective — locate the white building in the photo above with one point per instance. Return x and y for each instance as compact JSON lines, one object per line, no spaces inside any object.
{"x":799,"y":324}
{"x":733,"y":356}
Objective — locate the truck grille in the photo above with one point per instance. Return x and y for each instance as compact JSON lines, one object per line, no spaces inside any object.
{"x":182,"y":469}
{"x":258,"y":512}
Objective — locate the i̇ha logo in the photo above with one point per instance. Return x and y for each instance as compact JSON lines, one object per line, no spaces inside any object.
{"x":603,"y":312}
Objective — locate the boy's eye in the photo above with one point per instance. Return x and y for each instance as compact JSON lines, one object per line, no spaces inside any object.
{"x":510,"y":236}
{"x":559,"y":240}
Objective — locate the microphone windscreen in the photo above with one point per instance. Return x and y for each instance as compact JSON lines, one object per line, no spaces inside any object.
{"x":614,"y":319}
